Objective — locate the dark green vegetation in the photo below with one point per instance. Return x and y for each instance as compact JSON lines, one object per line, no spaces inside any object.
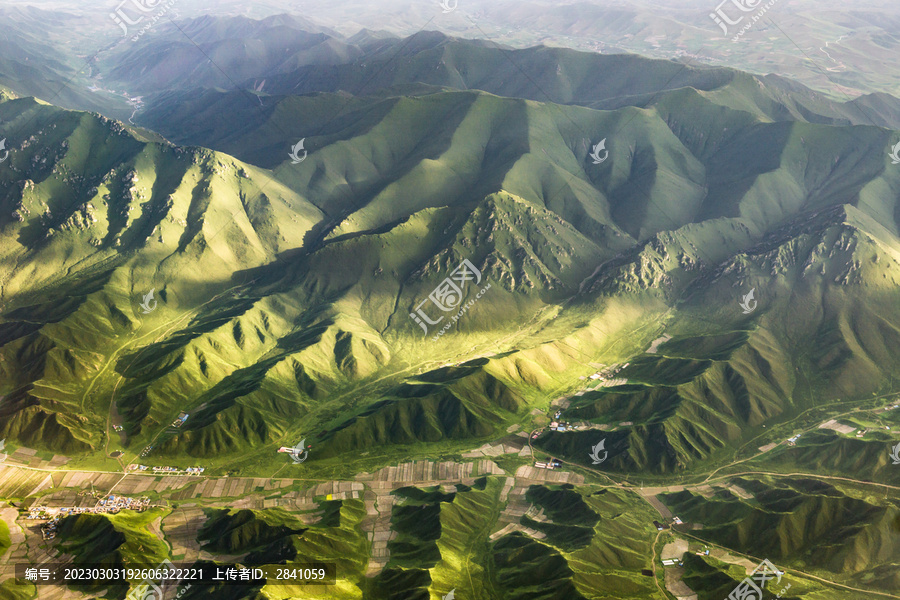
{"x":111,"y":539}
{"x":4,"y":537}
{"x":571,"y":521}
{"x":10,"y":590}
{"x":804,"y":524}
{"x":274,"y":537}
{"x":282,"y":295}
{"x":531,"y":570}
{"x":246,"y":531}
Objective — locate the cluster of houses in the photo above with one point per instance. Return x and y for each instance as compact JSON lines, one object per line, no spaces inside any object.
{"x":108,"y":504}
{"x":660,"y":527}
{"x":567,"y":426}
{"x":672,"y":562}
{"x":557,"y":425}
{"x":182,"y":417}
{"x":116,"y":503}
{"x":609,"y":373}
{"x":863,"y":432}
{"x":38,"y":513}
{"x":562,"y":426}
{"x":49,"y":529}
{"x":677,"y":562}
{"x":553,"y":463}
{"x":168,"y":470}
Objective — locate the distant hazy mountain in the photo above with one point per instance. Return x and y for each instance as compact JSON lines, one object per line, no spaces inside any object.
{"x":216,"y":52}
{"x":369,"y":64}
{"x":829,"y":45}
{"x":37,"y":57}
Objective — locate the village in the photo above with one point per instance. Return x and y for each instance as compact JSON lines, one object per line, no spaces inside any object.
{"x":110,"y":504}
{"x":167,"y":470}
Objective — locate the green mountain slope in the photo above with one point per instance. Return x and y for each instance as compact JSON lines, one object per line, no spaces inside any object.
{"x":507,"y":186}
{"x":800,"y":520}
{"x":441,"y":267}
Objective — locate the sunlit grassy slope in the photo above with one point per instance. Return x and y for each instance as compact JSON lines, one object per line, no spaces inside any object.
{"x":283,"y":311}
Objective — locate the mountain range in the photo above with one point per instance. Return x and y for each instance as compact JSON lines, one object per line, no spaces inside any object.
{"x":698,"y":261}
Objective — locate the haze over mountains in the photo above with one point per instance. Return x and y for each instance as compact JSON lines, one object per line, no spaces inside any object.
{"x":285,"y":282}
{"x":841,"y":50}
